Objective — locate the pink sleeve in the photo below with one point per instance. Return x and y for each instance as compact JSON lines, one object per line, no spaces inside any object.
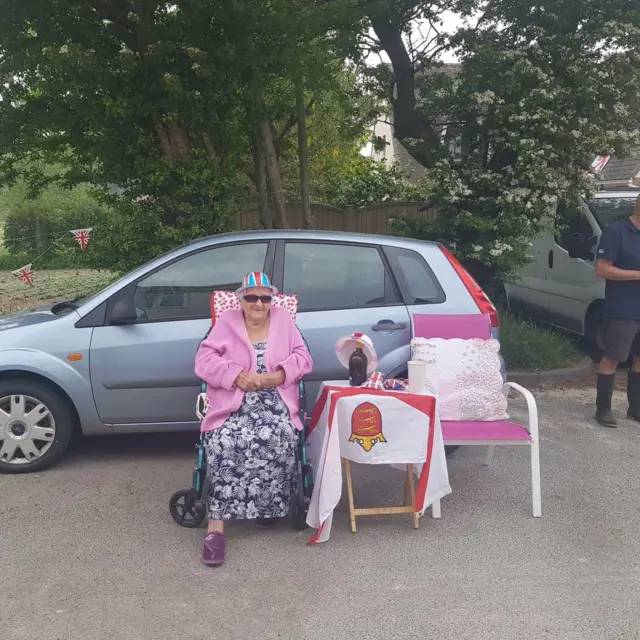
{"x":212,"y":367}
{"x":299,"y":363}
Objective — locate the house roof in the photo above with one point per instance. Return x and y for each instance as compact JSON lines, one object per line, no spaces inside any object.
{"x":622,"y":170}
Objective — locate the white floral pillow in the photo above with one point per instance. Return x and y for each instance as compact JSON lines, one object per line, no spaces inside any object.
{"x":466,"y":375}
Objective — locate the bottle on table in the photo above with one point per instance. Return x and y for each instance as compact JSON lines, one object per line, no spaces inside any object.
{"x":358,"y":367}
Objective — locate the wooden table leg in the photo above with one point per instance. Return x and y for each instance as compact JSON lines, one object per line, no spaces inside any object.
{"x":412,"y":493}
{"x":347,"y":470}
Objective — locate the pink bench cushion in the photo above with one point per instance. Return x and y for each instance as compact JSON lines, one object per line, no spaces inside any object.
{"x":475,"y":325}
{"x":496,"y":430}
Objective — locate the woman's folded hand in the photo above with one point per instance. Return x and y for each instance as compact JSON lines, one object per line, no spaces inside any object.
{"x":248,"y":382}
{"x":256,"y":381}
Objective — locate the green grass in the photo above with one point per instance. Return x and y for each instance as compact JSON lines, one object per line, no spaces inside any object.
{"x":527,"y":346}
{"x":49,"y":286}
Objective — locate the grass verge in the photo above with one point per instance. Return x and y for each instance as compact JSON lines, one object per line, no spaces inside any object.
{"x":49,"y":286}
{"x":526,"y":346}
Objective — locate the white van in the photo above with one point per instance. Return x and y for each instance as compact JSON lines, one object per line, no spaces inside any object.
{"x":560,"y":286}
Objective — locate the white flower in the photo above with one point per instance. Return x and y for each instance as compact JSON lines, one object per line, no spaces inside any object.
{"x":64,"y":49}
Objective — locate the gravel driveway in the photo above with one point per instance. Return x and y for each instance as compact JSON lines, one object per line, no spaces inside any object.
{"x":88,"y":550}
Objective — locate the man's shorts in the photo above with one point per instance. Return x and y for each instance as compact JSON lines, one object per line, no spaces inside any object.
{"x":619,"y":338}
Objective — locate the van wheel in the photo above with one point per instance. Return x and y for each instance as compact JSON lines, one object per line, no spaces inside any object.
{"x":35,"y":426}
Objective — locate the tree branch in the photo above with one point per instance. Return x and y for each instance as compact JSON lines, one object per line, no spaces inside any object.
{"x":291,"y":122}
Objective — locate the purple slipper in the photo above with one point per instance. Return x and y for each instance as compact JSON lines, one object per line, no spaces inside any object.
{"x":214,"y":548}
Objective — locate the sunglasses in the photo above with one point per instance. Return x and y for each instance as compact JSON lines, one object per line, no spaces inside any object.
{"x":252,"y":299}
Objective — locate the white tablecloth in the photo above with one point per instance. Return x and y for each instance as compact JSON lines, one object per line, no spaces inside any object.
{"x":372,"y":427}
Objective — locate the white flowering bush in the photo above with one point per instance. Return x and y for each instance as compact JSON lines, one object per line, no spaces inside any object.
{"x":534,"y":103}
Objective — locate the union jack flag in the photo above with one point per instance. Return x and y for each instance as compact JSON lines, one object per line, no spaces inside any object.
{"x":82,"y":236}
{"x":375,"y":381}
{"x":25,"y":274}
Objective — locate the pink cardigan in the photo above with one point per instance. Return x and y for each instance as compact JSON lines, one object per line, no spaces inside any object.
{"x":227,"y":352}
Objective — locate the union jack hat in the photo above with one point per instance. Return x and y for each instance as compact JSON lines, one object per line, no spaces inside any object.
{"x":256,"y":279}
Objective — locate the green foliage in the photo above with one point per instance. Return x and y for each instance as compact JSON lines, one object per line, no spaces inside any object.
{"x":158,"y":100}
{"x":527,"y":347}
{"x":38,"y":226}
{"x":542,"y":89}
{"x":365,"y":181}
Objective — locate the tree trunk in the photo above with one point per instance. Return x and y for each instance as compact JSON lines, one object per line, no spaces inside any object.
{"x":260,"y":181}
{"x":273,"y":174}
{"x":407,"y":121}
{"x":303,"y":157}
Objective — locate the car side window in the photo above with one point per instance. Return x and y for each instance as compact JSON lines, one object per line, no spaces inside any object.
{"x":182,"y":289}
{"x":418,"y":283}
{"x":570,"y":221}
{"x":336,"y":276}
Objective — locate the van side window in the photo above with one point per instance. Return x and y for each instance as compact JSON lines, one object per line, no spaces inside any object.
{"x":570,"y":220}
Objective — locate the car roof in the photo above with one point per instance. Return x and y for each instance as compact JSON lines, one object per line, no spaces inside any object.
{"x":306,"y":234}
{"x":618,"y":193}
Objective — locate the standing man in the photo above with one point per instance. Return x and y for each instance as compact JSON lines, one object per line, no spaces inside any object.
{"x":618,"y":261}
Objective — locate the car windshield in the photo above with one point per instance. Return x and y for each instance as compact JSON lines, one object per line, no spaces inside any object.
{"x":610,"y":210}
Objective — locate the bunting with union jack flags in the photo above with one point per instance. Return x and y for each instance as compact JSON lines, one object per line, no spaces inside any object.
{"x":82,"y":236}
{"x":25,"y":274}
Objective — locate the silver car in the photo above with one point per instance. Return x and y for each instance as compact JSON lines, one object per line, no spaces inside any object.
{"x":121,"y":361}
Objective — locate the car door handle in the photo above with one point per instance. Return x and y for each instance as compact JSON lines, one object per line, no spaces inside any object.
{"x":389,"y":325}
{"x":551,"y":259}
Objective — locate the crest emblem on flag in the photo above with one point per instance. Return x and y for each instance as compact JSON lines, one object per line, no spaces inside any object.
{"x":366,"y":426}
{"x":24,"y":274}
{"x":82,"y":236}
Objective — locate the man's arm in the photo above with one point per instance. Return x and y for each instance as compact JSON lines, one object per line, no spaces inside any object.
{"x":605,"y":269}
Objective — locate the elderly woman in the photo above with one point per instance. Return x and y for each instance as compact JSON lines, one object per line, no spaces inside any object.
{"x":252,"y":362}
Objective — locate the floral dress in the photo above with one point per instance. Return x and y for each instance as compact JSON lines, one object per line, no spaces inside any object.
{"x":251,"y":458}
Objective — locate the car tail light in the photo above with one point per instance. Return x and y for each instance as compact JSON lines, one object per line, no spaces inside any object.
{"x":479,"y":296}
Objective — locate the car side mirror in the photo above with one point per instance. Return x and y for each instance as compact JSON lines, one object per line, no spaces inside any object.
{"x":580,"y":246}
{"x":123,"y":312}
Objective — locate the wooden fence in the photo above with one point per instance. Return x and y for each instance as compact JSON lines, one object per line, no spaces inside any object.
{"x":369,"y":219}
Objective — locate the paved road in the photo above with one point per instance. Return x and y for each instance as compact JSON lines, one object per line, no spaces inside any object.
{"x":88,"y":551}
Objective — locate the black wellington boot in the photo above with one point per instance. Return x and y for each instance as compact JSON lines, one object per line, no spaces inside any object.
{"x":603,"y":400}
{"x":633,"y":395}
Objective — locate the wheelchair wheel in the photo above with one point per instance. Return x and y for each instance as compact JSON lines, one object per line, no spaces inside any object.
{"x":187,"y":508}
{"x":298,"y":514}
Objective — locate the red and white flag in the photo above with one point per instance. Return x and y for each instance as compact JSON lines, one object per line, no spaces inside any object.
{"x":82,"y":236}
{"x":598,"y":165}
{"x":371,"y":426}
{"x":24,"y":274}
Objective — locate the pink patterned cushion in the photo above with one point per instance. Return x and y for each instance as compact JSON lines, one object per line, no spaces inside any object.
{"x":467,"y":376}
{"x":222,"y":301}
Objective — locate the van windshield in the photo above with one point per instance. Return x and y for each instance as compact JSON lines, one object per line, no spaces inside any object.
{"x":610,"y":210}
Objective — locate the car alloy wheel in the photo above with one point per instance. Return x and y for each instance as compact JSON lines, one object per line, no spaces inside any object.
{"x":27,"y":429}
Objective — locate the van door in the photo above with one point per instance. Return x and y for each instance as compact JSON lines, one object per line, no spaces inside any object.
{"x":529,"y":293}
{"x":342,"y":288}
{"x":571,"y":282}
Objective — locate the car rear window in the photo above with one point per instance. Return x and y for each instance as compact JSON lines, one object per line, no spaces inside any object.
{"x":417,"y":281}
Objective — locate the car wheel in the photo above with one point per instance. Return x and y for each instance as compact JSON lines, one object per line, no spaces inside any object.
{"x":36,"y":426}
